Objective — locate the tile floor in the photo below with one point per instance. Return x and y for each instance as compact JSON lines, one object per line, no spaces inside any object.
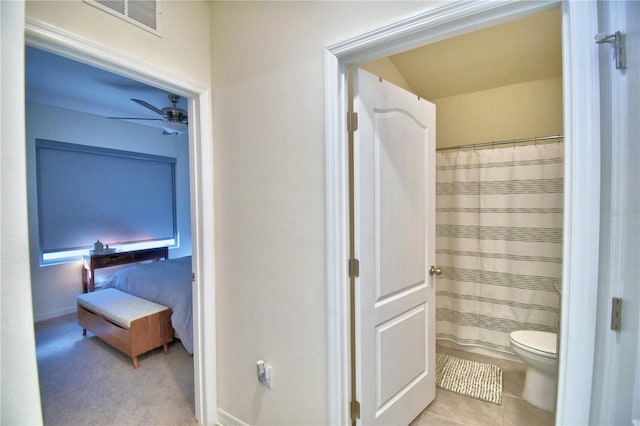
{"x":452,"y":409}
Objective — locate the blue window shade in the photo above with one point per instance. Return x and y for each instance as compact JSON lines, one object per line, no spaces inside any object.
{"x":88,"y":193}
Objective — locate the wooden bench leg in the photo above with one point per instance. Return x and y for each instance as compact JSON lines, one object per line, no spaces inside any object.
{"x":165,"y":348}
{"x":135,"y":361}
{"x":84,"y":331}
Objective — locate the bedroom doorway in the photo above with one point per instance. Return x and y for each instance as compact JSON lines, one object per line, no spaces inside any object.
{"x":43,"y":37}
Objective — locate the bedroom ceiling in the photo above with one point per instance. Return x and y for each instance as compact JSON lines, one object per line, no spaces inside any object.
{"x":518,"y":51}
{"x":57,"y":81}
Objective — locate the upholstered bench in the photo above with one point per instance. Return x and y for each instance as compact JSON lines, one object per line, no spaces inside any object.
{"x":128,"y":323}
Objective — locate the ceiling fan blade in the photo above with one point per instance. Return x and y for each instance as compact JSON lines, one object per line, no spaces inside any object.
{"x":148,"y":105}
{"x":136,"y":118}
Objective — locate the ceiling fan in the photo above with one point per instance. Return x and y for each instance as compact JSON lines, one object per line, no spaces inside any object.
{"x":175,"y":120}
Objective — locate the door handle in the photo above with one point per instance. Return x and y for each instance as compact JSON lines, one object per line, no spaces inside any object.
{"x":435,"y":271}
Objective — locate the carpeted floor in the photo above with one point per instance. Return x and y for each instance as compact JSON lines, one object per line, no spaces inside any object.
{"x":84,"y":381}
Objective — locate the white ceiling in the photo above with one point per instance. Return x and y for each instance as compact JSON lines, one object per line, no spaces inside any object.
{"x":518,"y":51}
{"x":54,"y":80}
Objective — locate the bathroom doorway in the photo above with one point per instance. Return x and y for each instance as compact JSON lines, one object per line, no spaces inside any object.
{"x":495,"y":130}
{"x":499,"y":244}
{"x":351,"y":53}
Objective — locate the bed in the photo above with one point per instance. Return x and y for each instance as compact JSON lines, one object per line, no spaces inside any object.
{"x":167,"y":282}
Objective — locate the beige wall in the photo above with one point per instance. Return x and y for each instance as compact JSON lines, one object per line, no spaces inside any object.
{"x":268,"y":77}
{"x":182,"y":49}
{"x":511,"y":112}
{"x":19,"y":390}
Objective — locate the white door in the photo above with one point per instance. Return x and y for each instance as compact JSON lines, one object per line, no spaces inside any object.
{"x":394,"y":227}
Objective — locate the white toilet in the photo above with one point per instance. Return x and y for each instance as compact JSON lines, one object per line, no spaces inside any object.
{"x":538,"y":350}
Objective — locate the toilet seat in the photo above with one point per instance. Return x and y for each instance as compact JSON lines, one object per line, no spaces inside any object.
{"x":538,"y":342}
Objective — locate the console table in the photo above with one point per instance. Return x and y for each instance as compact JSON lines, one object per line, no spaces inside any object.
{"x":104,"y":260}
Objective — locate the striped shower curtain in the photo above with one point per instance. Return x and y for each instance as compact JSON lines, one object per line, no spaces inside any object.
{"x":498,"y":242}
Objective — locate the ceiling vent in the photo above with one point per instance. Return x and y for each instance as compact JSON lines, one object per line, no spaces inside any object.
{"x":142,"y":13}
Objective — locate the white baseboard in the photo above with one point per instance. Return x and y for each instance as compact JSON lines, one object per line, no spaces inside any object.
{"x":53,"y":314}
{"x":226,"y":419}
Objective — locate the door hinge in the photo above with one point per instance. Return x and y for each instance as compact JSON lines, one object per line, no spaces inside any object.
{"x":616,"y":314}
{"x":354,"y":268}
{"x":193,"y":277}
{"x":355,"y":410}
{"x":619,"y":51}
{"x":352,"y":121}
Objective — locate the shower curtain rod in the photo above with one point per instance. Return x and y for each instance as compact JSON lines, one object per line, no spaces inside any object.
{"x":505,"y":142}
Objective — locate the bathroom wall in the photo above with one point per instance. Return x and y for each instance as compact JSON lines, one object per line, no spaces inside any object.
{"x":516,"y":111}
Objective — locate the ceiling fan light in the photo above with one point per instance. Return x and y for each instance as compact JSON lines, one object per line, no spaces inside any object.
{"x":174,"y":127}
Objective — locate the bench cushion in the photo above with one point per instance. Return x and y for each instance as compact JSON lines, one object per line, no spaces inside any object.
{"x":120,"y":307}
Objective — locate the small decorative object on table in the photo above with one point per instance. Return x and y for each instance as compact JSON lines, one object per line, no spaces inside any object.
{"x":100,"y":248}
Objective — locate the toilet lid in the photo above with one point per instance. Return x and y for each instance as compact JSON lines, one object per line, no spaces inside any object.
{"x":540,"y":341}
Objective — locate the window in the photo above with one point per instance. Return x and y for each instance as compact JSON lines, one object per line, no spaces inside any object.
{"x":87,"y":193}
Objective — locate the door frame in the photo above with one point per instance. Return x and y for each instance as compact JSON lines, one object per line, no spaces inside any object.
{"x":582,"y":182}
{"x":64,"y":43}
{"x":618,"y":350}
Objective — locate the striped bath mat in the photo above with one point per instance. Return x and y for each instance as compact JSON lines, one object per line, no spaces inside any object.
{"x":469,"y":378}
